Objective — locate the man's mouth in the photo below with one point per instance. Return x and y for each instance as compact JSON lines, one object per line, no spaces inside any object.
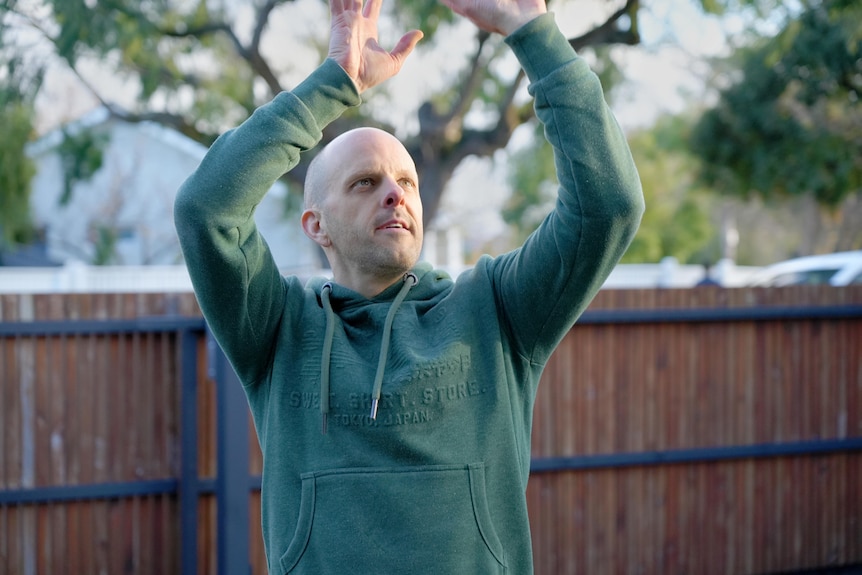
{"x":393,"y":225}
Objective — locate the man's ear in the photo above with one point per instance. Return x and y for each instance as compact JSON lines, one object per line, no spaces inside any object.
{"x":312,"y":225}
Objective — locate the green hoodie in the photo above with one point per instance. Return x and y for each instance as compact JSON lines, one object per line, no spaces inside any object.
{"x":436,"y":482}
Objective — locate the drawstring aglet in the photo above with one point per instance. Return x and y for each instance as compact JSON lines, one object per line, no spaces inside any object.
{"x":324,"y":424}
{"x":409,"y":281}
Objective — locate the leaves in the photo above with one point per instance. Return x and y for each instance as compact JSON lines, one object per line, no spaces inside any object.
{"x":677,"y":220}
{"x":81,"y":156}
{"x":792,"y":124}
{"x":18,"y":86}
{"x":16,"y":172}
{"x":533,"y":179}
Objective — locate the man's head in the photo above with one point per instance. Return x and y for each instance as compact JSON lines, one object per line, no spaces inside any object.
{"x":362,"y":206}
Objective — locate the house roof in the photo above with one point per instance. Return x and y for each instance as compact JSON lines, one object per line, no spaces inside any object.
{"x":102,"y":115}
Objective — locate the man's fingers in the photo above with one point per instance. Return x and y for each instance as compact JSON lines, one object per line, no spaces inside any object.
{"x":353,"y":43}
{"x":340,"y":6}
{"x":372,"y":9}
{"x":454,"y":6}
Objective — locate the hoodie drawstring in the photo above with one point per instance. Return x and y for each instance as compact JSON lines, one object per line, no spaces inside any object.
{"x":384,"y":344}
{"x":327,"y":351}
{"x":409,"y":281}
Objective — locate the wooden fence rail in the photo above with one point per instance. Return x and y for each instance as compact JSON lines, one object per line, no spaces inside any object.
{"x":676,"y":431}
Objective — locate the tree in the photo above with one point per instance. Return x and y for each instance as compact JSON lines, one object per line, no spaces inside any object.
{"x":678,"y":221}
{"x":16,"y":169}
{"x":791,"y":123}
{"x":685,"y":217}
{"x":196,"y":69}
{"x":16,"y":172}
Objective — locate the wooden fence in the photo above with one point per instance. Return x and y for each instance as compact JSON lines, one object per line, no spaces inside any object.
{"x":90,"y":435}
{"x":676,"y":431}
{"x":722,"y":409}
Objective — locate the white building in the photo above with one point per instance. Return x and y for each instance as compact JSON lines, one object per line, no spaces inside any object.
{"x":131,"y":196}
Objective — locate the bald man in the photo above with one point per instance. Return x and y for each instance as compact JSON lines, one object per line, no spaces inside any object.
{"x":394,"y":405}
{"x":363,"y":208}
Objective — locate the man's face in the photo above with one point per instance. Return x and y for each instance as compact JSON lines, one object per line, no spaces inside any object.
{"x":370,"y":212}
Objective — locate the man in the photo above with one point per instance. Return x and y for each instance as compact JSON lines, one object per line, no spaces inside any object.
{"x":393,"y":405}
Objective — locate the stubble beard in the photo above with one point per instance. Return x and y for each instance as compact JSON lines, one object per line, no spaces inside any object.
{"x":389,"y":263}
{"x":379,"y":260}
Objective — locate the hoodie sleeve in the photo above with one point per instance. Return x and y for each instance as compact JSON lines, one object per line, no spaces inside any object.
{"x":240,"y":290}
{"x":547,"y":283}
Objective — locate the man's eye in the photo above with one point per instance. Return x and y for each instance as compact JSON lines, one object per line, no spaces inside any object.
{"x":408,"y":183}
{"x":364,"y":182}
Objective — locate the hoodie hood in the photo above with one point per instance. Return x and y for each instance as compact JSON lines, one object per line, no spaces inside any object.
{"x":335,"y":299}
{"x":430,"y":282}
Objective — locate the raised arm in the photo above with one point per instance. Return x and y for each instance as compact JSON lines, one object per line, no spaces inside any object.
{"x":240,"y":290}
{"x":543,"y":287}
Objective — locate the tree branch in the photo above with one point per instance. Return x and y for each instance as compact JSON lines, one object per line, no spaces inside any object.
{"x":609,"y":32}
{"x":474,"y":80}
{"x":438,"y":128}
{"x":261,"y":22}
{"x":174,"y":121}
{"x":251,"y":53}
{"x":199,"y":31}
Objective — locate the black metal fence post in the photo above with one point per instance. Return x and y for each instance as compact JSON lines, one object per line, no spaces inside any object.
{"x":188,"y":487}
{"x":232,"y":483}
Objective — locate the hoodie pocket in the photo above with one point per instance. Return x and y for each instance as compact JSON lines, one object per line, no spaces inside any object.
{"x":431,"y":519}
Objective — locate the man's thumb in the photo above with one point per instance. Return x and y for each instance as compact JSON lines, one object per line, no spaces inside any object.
{"x":406,"y":44}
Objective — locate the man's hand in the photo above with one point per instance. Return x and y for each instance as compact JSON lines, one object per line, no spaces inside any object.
{"x":353,"y":43}
{"x":500,"y":16}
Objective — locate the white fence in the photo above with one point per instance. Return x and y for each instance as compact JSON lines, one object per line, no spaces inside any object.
{"x":80,"y":278}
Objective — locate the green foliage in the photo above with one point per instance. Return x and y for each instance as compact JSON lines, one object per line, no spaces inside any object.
{"x":16,"y":173}
{"x":167,"y":46}
{"x":18,"y":86}
{"x":677,"y":221}
{"x":108,"y":25}
{"x":105,"y":245}
{"x":792,"y":124}
{"x":81,"y":155}
{"x":432,"y":15}
{"x":533,"y":181}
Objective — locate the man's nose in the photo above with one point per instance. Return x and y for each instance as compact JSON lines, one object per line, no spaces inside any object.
{"x":394,"y":194}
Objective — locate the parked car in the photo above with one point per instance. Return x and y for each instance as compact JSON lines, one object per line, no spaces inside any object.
{"x":837,"y":269}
